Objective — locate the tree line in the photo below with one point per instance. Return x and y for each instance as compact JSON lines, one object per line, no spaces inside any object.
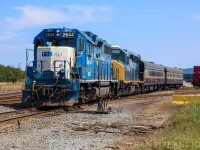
{"x":11,"y":74}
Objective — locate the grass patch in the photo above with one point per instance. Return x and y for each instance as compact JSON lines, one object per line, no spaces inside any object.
{"x":183,"y":133}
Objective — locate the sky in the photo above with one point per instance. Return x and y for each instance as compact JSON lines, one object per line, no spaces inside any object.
{"x":164,"y":32}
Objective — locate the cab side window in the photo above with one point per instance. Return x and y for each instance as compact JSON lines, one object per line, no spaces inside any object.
{"x":39,"y":42}
{"x":90,"y":49}
{"x":81,"y":44}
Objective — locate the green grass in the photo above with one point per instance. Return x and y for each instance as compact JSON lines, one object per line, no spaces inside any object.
{"x":184,"y":132}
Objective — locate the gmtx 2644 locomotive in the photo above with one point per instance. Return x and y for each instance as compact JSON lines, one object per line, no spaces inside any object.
{"x":72,"y":66}
{"x":69,"y":66}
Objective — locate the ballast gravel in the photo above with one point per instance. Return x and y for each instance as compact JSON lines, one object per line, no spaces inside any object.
{"x":6,"y":109}
{"x":85,"y":131}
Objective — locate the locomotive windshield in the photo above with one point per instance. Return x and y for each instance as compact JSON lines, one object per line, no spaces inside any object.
{"x":61,"y":42}
{"x":118,"y":55}
{"x":67,"y":42}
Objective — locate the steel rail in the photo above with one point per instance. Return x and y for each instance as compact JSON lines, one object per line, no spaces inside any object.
{"x":10,"y":94}
{"x":17,"y":119}
{"x":15,"y":112}
{"x":10,"y":97}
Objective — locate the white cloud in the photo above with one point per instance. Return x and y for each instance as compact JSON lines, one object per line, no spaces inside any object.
{"x":13,"y":35}
{"x":34,"y":16}
{"x":87,"y":14}
{"x":196,"y":17}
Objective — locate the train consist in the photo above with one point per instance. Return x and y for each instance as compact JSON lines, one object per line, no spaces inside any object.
{"x":71,"y":66}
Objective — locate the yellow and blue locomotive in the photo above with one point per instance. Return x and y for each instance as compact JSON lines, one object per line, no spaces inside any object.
{"x":137,"y":76}
{"x":127,"y":71}
{"x":69,"y":66}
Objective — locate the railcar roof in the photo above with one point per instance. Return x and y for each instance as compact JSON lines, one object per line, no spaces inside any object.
{"x":175,"y":70}
{"x":153,"y":65}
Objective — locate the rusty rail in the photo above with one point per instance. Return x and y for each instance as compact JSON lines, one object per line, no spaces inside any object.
{"x":10,"y":94}
{"x":15,"y":112}
{"x":17,"y":119}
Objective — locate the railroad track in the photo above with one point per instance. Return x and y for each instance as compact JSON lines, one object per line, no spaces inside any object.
{"x":10,"y":94}
{"x":5,"y":94}
{"x":26,"y":114}
{"x":15,"y":112}
{"x":10,"y":98}
{"x":9,"y":101}
{"x":35,"y":113}
{"x":10,"y":117}
{"x":147,"y":95}
{"x":156,"y":94}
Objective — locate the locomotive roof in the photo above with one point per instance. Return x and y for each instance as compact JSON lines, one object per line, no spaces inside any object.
{"x":86,"y":36}
{"x":64,"y":30}
{"x":132,"y":55}
{"x":123,"y":50}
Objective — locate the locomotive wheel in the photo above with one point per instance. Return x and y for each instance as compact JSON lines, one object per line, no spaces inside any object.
{"x":83,"y":101}
{"x":28,"y":102}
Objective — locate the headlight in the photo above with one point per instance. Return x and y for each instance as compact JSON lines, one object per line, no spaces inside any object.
{"x":60,"y":65}
{"x":34,"y":70}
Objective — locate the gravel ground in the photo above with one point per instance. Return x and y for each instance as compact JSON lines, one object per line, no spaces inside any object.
{"x":83,"y":131}
{"x":187,"y":84}
{"x":6,"y":109}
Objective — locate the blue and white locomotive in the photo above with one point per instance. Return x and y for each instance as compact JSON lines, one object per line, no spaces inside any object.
{"x":69,"y":66}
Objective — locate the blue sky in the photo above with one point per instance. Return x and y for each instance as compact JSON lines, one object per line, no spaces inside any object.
{"x":165,"y":32}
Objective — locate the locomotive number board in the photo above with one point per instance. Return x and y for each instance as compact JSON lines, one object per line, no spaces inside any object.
{"x":67,"y":34}
{"x":49,"y":34}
